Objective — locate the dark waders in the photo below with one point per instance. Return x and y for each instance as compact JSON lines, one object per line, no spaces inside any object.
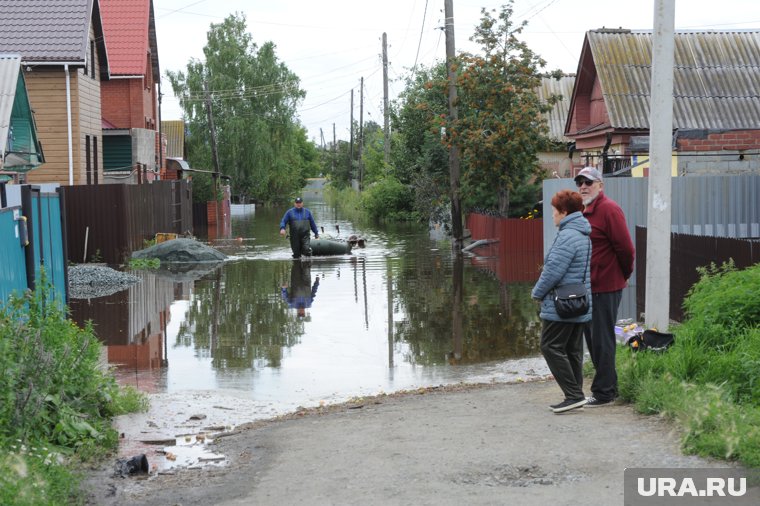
{"x":300,"y":238}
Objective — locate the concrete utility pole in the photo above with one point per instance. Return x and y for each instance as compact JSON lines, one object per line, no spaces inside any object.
{"x":361,"y":134}
{"x":335,"y":149}
{"x":386,"y":111}
{"x":351,"y":142}
{"x":657,"y":297}
{"x":454,"y":174}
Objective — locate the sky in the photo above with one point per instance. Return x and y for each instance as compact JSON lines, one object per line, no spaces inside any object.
{"x":331,"y":44}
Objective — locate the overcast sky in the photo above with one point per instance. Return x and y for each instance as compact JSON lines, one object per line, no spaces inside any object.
{"x":332,"y":44}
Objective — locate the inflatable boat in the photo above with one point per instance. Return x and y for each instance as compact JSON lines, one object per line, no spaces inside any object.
{"x":324,"y":247}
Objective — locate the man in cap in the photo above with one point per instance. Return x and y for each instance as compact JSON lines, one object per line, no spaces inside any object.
{"x":300,"y":220}
{"x":612,"y":256}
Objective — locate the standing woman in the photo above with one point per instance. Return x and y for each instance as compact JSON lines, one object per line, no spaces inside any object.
{"x":567,"y":262}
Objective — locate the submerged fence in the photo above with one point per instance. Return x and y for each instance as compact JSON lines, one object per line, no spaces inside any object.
{"x":517,"y":253}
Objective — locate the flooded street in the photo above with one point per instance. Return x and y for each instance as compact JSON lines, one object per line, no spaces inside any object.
{"x":262,"y":334}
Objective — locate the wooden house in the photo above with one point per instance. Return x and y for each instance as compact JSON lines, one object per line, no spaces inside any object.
{"x":131,"y":141}
{"x":19,"y":148}
{"x":716,"y":102}
{"x":557,"y":162}
{"x":64,"y":59}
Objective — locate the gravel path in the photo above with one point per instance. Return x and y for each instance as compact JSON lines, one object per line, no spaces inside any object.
{"x":492,"y":444}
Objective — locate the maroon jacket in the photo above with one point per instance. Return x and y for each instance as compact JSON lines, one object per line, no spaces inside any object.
{"x":612,"y":251}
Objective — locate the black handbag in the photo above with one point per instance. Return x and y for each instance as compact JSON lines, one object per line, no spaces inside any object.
{"x":571,"y":300}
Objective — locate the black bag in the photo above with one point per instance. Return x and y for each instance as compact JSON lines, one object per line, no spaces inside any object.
{"x":571,"y":300}
{"x":651,"y":340}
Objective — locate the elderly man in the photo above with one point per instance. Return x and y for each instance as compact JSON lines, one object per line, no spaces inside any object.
{"x":612,"y":256}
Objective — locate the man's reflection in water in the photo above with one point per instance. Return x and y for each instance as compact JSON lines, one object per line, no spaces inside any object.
{"x":300,"y":294}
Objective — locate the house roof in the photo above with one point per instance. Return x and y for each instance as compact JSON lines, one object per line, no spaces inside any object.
{"x":19,"y":147}
{"x":45,"y":32}
{"x":130,"y":31}
{"x":557,"y":117}
{"x":174,"y":130}
{"x":715,"y":84}
{"x":9,"y":69}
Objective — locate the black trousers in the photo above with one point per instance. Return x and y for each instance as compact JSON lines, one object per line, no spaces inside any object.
{"x":601,"y":344}
{"x":562,"y":347}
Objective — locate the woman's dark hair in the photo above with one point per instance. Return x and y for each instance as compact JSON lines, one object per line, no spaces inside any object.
{"x":567,"y":201}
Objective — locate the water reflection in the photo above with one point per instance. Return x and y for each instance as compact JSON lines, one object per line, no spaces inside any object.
{"x":398,"y":314}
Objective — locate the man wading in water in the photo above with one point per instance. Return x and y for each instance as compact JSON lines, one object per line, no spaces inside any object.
{"x":300,"y":220}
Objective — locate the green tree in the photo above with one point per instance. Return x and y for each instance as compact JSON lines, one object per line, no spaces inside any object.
{"x":419,"y":159}
{"x":501,"y":127}
{"x":253,"y":101}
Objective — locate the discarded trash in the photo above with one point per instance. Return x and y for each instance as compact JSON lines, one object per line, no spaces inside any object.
{"x":135,"y":465}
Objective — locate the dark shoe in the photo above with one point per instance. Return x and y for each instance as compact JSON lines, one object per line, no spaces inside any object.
{"x":554,"y":406}
{"x":569,"y":404}
{"x":593,"y":402}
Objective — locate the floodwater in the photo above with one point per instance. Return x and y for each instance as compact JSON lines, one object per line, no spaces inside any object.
{"x":262,"y":334}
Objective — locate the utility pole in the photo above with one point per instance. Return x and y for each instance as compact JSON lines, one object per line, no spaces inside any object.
{"x":361,"y":134}
{"x":386,"y":112}
{"x":657,"y":295}
{"x":351,"y":142}
{"x":454,"y":172}
{"x":335,"y":150}
{"x":214,"y":154}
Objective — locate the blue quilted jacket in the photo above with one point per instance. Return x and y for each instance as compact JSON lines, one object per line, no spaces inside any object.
{"x":564,"y":264}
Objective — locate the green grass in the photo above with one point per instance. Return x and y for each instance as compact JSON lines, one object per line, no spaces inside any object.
{"x":57,"y":403}
{"x":707,"y":382}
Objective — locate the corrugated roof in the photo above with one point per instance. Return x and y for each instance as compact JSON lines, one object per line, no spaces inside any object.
{"x":174,"y":130}
{"x":128,"y":25}
{"x":557,"y":117}
{"x":9,"y":69}
{"x":715,"y":81}
{"x":44,"y":31}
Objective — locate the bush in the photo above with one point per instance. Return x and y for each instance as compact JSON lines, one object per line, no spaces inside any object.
{"x":389,"y":200}
{"x":708,"y":381}
{"x":57,"y":402}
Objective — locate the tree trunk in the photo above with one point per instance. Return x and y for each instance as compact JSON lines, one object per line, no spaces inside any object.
{"x":503,"y":201}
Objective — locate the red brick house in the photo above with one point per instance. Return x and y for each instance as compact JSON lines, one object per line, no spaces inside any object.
{"x":716,"y":102}
{"x":131,"y":142}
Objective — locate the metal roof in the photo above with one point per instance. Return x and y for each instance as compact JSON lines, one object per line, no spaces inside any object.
{"x":42,"y":31}
{"x":557,"y":117}
{"x":129,"y":28}
{"x":9,"y":68}
{"x":715,"y":78}
{"x":174,"y":130}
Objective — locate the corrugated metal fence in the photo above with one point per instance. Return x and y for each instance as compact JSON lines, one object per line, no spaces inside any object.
{"x":21,"y":265}
{"x":692,"y":251}
{"x":716,"y":205}
{"x":518,"y":254}
{"x":109,"y":222}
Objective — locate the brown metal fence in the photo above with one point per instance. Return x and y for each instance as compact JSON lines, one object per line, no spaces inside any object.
{"x":518,"y":254}
{"x":687,"y":252}
{"x":109,"y":222}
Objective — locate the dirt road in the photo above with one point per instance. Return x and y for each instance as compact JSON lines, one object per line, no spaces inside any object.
{"x":494,"y":444}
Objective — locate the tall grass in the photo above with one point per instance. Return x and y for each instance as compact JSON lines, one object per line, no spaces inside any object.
{"x":708,"y":380}
{"x":56,"y":404}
